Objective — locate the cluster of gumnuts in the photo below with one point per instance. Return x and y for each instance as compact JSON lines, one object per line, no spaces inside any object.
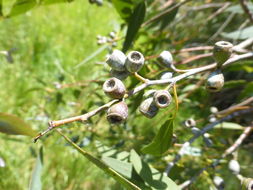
{"x":97,"y":2}
{"x":124,"y":65}
{"x":110,"y":39}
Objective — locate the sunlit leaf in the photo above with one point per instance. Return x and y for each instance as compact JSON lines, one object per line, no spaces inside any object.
{"x":229,"y":125}
{"x":240,"y":34}
{"x":124,"y":8}
{"x":35,"y":183}
{"x":21,"y":6}
{"x":13,"y":125}
{"x":123,"y":168}
{"x":151,"y":176}
{"x":162,"y":141}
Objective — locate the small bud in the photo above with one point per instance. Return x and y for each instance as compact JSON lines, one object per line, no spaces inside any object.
{"x":218,"y":182}
{"x":117,"y":60}
{"x":190,"y":123}
{"x":247,"y":184}
{"x":114,"y":88}
{"x":114,"y":44}
{"x":234,"y":166}
{"x":112,"y":35}
{"x":195,"y":130}
{"x":212,"y":119}
{"x":222,"y":51}
{"x":166,"y":75}
{"x":117,"y":113}
{"x":166,"y":58}
{"x":213,"y":109}
{"x":215,"y":81}
{"x":148,"y":108}
{"x":134,"y":61}
{"x":162,"y":98}
{"x":121,"y":75}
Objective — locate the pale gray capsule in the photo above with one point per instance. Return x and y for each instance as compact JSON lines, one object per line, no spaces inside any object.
{"x":121,"y":75}
{"x":165,"y":58}
{"x":117,"y":60}
{"x":134,"y":62}
{"x":215,"y":81}
{"x":166,"y":75}
{"x":190,"y":123}
{"x":148,"y":108}
{"x":162,"y":98}
{"x":112,"y":35}
{"x":234,"y":166}
{"x":195,"y":131}
{"x":218,"y":182}
{"x":117,"y":113}
{"x":114,"y":88}
{"x":213,"y":109}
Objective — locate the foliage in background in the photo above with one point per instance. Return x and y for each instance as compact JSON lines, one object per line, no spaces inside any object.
{"x":44,"y":83}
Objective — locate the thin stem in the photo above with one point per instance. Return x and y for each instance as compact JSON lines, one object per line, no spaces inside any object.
{"x":246,"y":9}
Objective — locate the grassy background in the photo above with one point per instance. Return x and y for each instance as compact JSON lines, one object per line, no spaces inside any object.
{"x":49,"y":42}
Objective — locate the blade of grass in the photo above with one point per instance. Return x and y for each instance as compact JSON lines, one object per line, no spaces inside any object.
{"x":119,"y":178}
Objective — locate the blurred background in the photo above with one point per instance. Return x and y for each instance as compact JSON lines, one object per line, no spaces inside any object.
{"x":57,"y":70}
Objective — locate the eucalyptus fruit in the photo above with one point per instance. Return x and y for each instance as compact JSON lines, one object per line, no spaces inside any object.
{"x":114,"y":88}
{"x":189,"y":123}
{"x":234,"y":166}
{"x":121,"y":75}
{"x":165,"y":58}
{"x":117,"y":113}
{"x":117,"y":60}
{"x":162,"y":98}
{"x":148,"y":108}
{"x":215,"y":81}
{"x":218,"y":182}
{"x":222,"y":51}
{"x":134,"y":62}
{"x":247,"y":184}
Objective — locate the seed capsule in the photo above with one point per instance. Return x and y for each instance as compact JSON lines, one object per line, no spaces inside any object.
{"x":166,"y":58}
{"x":215,"y":81}
{"x":117,"y":60}
{"x":234,"y":166}
{"x":117,"y":113}
{"x":189,"y":123}
{"x":134,"y":61}
{"x":166,"y":75}
{"x":222,"y":51}
{"x":121,"y":75}
{"x":148,"y":108}
{"x":162,"y":98}
{"x":247,"y":184}
{"x":114,"y":88}
{"x":218,"y":182}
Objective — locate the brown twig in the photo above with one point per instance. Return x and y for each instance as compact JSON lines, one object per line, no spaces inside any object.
{"x":246,"y":9}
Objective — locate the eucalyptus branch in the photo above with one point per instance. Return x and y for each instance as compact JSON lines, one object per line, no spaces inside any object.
{"x":246,"y":9}
{"x":202,"y":132}
{"x":227,"y":152}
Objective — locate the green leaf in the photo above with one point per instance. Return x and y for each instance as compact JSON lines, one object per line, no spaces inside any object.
{"x":168,"y":18}
{"x":100,"y":164}
{"x":240,"y":34}
{"x":124,"y":8}
{"x":21,"y":6}
{"x":234,"y":83}
{"x":13,"y":125}
{"x":35,"y":183}
{"x":150,"y":175}
{"x":1,"y":8}
{"x":229,"y":125}
{"x":238,"y":9}
{"x":134,"y":24}
{"x":162,"y":140}
{"x":124,"y":168}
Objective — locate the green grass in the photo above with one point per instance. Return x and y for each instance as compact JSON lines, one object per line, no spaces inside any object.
{"x":50,"y":42}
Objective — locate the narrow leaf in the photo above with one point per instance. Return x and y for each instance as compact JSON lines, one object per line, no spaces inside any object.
{"x":13,"y":125}
{"x":119,"y":178}
{"x":151,"y":176}
{"x":239,"y":34}
{"x":124,"y":168}
{"x":134,"y":24}
{"x":21,"y":6}
{"x":162,"y":140}
{"x":124,"y":8}
{"x":229,"y":125}
{"x":35,"y":183}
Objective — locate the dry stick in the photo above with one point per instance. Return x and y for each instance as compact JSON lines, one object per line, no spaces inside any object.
{"x":157,"y":17}
{"x":227,"y":152}
{"x":82,"y":118}
{"x":202,"y":132}
{"x":246,"y":9}
{"x":219,"y":11}
{"x":148,"y":83}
